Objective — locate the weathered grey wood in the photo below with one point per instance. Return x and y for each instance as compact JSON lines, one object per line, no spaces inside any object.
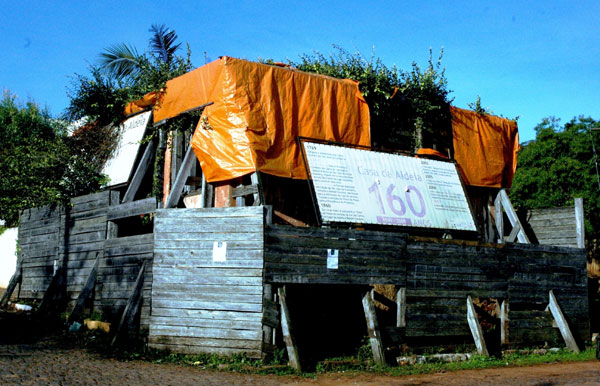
{"x":203,"y":203}
{"x":579,"y":223}
{"x":132,"y":307}
{"x":475,"y":328}
{"x":132,"y":208}
{"x":288,"y":334}
{"x":563,"y":326}
{"x":401,"y":307}
{"x":139,"y":174}
{"x":244,"y":190}
{"x":503,"y":201}
{"x":373,"y":328}
{"x":53,"y":295}
{"x":255,"y":181}
{"x":183,"y":174}
{"x":514,"y":233}
{"x":85,"y":292}
{"x":499,"y":218}
{"x":12,"y":284}
{"x":504,"y":322}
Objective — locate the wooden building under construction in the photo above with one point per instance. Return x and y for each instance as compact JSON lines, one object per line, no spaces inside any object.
{"x":233,"y":258}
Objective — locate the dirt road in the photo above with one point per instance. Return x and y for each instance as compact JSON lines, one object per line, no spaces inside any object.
{"x":55,"y":362}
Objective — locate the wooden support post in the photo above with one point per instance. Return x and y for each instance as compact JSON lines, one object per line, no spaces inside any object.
{"x":52,"y":302}
{"x":579,"y":223}
{"x":476,"y":328}
{"x":85,"y":293}
{"x":224,"y":194}
{"x":254,"y":180}
{"x":503,"y":202}
{"x":139,"y":174}
{"x":504,"y":321}
{"x":499,"y":219}
{"x":286,"y":328}
{"x":401,"y":307}
{"x":16,"y":278}
{"x":373,"y":328}
{"x":133,"y":305}
{"x":182,"y":176}
{"x":563,"y":326}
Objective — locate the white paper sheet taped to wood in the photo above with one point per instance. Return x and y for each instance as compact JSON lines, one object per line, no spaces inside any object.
{"x":219,"y":251}
{"x":119,"y":167}
{"x":368,"y":187}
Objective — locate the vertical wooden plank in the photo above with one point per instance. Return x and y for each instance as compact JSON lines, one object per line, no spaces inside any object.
{"x":563,"y":326}
{"x":133,"y":304}
{"x":85,"y":292}
{"x":401,"y":307}
{"x":139,"y":174}
{"x":373,"y":328}
{"x":579,"y":223}
{"x":504,"y":322}
{"x":476,"y":328}
{"x":167,"y":183}
{"x":286,"y":327}
{"x":512,"y":216}
{"x":499,"y":218}
{"x":224,"y":194}
{"x":267,"y":330}
{"x":254,"y":180}
{"x":183,"y":174}
{"x":240,"y":201}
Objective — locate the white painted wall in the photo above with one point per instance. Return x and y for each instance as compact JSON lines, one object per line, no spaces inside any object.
{"x":8,"y":258}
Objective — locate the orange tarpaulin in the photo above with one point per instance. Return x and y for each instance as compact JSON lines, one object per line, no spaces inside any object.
{"x":258,"y":111}
{"x":485,"y":148}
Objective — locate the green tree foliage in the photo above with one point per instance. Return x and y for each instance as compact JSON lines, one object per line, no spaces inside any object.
{"x":408,"y":109}
{"x":557,"y":167}
{"x":38,"y":161}
{"x":124,"y":75}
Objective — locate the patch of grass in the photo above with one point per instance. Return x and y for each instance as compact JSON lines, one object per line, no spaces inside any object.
{"x":357,"y":364}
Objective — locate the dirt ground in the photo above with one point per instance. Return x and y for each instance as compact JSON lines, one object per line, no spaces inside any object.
{"x":56,"y":361}
{"x":51,"y":361}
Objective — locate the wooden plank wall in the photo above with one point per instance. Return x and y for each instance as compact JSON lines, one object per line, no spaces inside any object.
{"x":439,"y":275}
{"x":75,"y":236}
{"x":554,"y":226}
{"x":117,"y":273}
{"x":84,"y":224}
{"x":39,"y":232}
{"x":202,"y":305}
{"x":299,"y":255}
{"x":536,"y":271}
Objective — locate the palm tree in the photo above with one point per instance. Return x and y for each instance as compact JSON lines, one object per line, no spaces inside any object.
{"x":122,"y":61}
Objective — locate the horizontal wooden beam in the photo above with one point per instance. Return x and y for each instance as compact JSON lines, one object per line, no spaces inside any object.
{"x":130,"y":209}
{"x":244,"y":190}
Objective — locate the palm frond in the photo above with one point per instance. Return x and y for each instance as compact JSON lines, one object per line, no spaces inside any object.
{"x":119,"y":61}
{"x":162,"y":43}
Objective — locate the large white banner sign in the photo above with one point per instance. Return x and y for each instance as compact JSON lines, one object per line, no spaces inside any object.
{"x":118,"y":168}
{"x":360,"y":186}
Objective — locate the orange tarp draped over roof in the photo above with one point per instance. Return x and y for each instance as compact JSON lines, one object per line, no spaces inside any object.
{"x":141,"y":104}
{"x":485,"y":148}
{"x":258,"y":111}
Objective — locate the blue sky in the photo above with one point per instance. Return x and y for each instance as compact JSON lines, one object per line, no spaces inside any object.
{"x":529,"y":59}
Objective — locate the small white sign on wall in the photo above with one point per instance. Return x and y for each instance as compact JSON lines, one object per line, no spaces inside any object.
{"x":219,"y":251}
{"x":332,"y":258}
